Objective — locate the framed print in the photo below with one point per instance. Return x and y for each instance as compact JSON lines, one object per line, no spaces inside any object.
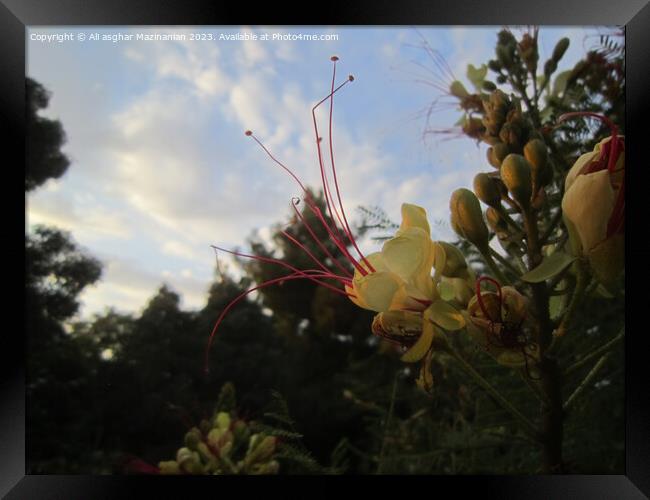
{"x":387,"y":240}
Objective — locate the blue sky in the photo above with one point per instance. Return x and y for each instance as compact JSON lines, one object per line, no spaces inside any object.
{"x":161,"y":168}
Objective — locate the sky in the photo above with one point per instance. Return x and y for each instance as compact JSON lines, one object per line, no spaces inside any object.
{"x":161,"y":168}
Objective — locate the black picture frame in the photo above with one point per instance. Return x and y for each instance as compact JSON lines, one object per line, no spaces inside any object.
{"x":16,"y":15}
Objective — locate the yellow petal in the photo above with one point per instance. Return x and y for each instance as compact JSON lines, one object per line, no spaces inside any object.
{"x":376,"y":260}
{"x":406,"y":254}
{"x":414,"y":216}
{"x":376,"y":291}
{"x":588,"y":204}
{"x":579,"y":164}
{"x":444,"y":315}
{"x":608,"y":259}
{"x":421,"y":346}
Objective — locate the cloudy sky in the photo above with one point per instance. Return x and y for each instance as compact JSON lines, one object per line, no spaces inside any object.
{"x":161,"y":168}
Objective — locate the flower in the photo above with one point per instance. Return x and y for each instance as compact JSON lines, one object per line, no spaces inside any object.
{"x":495,"y":321}
{"x":593,"y":205}
{"x":395,"y":282}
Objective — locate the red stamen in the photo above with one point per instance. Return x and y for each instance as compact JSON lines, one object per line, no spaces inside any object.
{"x":326,"y":188}
{"x":241,"y":296}
{"x":479,"y":297}
{"x":346,"y":226}
{"x":294,"y":203}
{"x":271,"y":260}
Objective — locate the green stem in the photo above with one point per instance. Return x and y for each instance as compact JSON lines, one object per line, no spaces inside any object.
{"x":498,"y":274}
{"x":578,"y":294}
{"x":505,"y":262}
{"x":526,"y":424}
{"x":599,"y":351}
{"x":585,"y":383}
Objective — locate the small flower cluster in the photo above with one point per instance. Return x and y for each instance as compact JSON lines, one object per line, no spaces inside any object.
{"x":224,"y":445}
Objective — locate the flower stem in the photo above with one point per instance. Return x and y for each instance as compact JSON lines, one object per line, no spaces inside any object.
{"x":603,"y":349}
{"x":498,"y":274}
{"x":582,"y":279}
{"x":585,"y":383}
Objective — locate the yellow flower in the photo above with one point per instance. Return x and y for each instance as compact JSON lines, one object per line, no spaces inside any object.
{"x":593,"y":205}
{"x":402,"y":290}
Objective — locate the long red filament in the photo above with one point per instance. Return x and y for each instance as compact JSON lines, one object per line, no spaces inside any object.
{"x":317,"y":240}
{"x":346,"y":226}
{"x":241,"y":296}
{"x":479,"y":297}
{"x":271,"y":260}
{"x":324,"y":176}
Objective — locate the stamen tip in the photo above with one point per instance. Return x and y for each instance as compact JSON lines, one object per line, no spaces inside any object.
{"x":334,"y":58}
{"x":351,"y":78}
{"x":249,"y":133}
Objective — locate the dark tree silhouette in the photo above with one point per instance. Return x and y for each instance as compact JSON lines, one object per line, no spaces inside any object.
{"x":43,"y":139}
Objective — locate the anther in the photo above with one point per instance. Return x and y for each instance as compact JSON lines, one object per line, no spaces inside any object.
{"x":248,"y":133}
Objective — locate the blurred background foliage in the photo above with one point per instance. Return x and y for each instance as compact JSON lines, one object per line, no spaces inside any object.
{"x":103,"y":391}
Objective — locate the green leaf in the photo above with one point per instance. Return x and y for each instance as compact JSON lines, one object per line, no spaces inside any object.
{"x":477,"y":75}
{"x":550,"y":266}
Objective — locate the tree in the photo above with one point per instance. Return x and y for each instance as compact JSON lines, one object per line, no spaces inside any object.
{"x":43,"y":139}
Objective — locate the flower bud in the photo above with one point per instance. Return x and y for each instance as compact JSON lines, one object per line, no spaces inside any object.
{"x":537,"y":155}
{"x":516,"y":175}
{"x":593,"y":208}
{"x":260,"y":449}
{"x":192,"y":438}
{"x":495,"y":323}
{"x":487,"y":190}
{"x":467,"y":217}
{"x":448,"y":260}
{"x":169,"y":467}
{"x":489,"y":86}
{"x":560,"y":49}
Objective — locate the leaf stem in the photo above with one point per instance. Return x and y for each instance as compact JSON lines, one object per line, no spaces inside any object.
{"x":585,"y":383}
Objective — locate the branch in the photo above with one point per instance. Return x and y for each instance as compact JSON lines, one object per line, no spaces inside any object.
{"x":595,"y":353}
{"x":585,"y":383}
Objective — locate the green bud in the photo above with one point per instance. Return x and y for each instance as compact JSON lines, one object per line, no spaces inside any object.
{"x":537,"y":155}
{"x":516,"y":175}
{"x":223,"y":420}
{"x":467,"y":217}
{"x":260,"y":449}
{"x":494,"y":65}
{"x":549,"y":67}
{"x":169,"y":467}
{"x":193,"y":438}
{"x":487,"y":190}
{"x":457,"y":89}
{"x":560,"y":49}
{"x":501,"y":150}
{"x":496,"y":222}
{"x":189,"y":461}
{"x":205,"y":426}
{"x":491,"y":158}
{"x":448,"y":260}
{"x":489,"y":86}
